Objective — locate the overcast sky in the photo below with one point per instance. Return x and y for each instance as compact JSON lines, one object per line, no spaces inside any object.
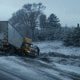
{"x":68,"y":11}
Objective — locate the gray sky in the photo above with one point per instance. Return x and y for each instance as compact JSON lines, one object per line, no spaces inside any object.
{"x":68,"y":11}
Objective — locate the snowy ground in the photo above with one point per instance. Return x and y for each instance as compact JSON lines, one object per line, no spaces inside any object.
{"x":16,"y":68}
{"x":45,"y":67}
{"x":57,"y":46}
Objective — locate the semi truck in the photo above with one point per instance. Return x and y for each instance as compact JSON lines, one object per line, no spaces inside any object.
{"x":15,"y":43}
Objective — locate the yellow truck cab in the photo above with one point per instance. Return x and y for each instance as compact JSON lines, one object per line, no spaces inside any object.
{"x":28,"y":48}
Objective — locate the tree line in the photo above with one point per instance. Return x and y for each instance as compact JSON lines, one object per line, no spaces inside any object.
{"x":32,"y":21}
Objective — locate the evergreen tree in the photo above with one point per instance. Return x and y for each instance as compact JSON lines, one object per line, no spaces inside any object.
{"x":73,"y":38}
{"x":53,"y":26}
{"x":53,"y":21}
{"x":76,"y":36}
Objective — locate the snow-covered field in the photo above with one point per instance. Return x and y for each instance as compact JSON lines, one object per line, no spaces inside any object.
{"x":44,"y":67}
{"x":57,"y":46}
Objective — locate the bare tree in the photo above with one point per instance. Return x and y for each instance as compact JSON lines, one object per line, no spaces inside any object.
{"x":27,"y":18}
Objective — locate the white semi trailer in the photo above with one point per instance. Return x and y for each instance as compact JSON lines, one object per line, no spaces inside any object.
{"x":14,"y":37}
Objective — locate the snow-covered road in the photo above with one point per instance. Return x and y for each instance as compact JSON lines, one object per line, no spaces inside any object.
{"x":17,"y":68}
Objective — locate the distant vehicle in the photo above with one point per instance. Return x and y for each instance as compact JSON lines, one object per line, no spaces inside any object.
{"x":14,"y":42}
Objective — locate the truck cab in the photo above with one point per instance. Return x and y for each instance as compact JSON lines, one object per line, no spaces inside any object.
{"x":29,"y":49}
